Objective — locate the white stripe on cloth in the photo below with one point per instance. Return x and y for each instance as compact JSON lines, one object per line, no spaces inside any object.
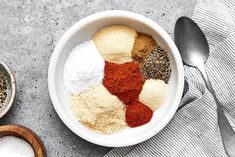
{"x":194,"y":131}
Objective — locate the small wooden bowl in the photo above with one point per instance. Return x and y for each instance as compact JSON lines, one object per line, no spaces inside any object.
{"x":25,"y":134}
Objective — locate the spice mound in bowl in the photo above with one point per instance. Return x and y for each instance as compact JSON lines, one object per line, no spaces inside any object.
{"x":7,"y":88}
{"x":116,"y":80}
{"x":3,"y":89}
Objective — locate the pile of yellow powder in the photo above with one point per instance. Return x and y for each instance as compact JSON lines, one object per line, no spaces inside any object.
{"x":153,"y":93}
{"x":115,"y":43}
{"x":98,"y":110}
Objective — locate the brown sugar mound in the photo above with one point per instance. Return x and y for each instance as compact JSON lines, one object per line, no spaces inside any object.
{"x":123,"y":80}
{"x":143,"y":45}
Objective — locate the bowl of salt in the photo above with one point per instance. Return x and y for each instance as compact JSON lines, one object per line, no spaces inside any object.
{"x":19,"y":141}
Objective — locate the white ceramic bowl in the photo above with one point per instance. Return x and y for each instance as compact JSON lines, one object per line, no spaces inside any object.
{"x":84,"y":30}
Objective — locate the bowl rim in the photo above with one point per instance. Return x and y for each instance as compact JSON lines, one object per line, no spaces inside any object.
{"x":13,"y":86}
{"x":111,"y":14}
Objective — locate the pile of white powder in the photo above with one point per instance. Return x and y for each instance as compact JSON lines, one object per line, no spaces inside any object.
{"x":83,"y":68}
{"x":11,"y":146}
{"x":153,"y":93}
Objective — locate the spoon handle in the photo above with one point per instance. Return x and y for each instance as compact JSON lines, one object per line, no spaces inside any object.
{"x":227,"y":133}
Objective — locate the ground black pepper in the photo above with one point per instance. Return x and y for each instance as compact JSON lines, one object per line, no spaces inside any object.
{"x":3,"y":90}
{"x":156,"y":65}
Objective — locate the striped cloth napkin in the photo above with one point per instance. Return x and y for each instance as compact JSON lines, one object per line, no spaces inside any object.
{"x":194,"y":131}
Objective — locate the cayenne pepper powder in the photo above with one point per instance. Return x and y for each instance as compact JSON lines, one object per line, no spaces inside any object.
{"x":126,"y":82}
{"x":138,"y":114}
{"x":123,"y":80}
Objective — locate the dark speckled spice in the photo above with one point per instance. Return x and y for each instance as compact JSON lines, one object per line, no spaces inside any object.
{"x":156,"y":65}
{"x":3,"y":88}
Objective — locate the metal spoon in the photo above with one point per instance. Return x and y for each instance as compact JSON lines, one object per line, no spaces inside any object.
{"x":194,"y":51}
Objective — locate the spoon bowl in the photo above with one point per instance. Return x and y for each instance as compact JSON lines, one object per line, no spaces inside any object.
{"x":192,"y":43}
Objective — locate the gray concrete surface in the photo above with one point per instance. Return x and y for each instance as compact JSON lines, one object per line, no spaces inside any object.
{"x":29,"y":30}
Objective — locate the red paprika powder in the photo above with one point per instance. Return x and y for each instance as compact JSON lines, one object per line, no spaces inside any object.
{"x":123,"y":80}
{"x":138,"y":114}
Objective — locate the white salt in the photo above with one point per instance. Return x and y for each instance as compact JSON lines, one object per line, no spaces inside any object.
{"x":11,"y":146}
{"x":83,"y":68}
